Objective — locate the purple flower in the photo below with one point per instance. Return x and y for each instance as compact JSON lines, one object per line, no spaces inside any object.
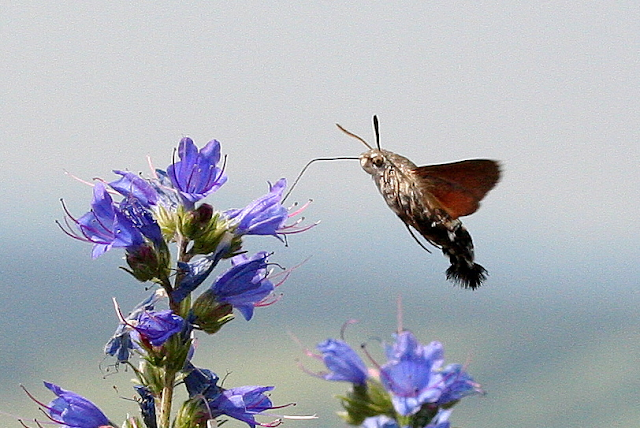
{"x":343,"y":362}
{"x":381,"y":421}
{"x":411,"y":374}
{"x":147,"y":406}
{"x":242,"y":403}
{"x":456,"y":384}
{"x":414,"y":390}
{"x":264,"y":216}
{"x":440,"y":420}
{"x":120,"y":344}
{"x":158,"y":327}
{"x":196,"y":271}
{"x":245,"y":284}
{"x":71,"y":410}
{"x":196,"y":174}
{"x":131,"y":185}
{"x":202,"y":382}
{"x":105,"y":226}
{"x":142,"y":219}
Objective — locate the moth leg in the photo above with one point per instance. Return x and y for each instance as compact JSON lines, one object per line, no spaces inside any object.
{"x":416,"y":239}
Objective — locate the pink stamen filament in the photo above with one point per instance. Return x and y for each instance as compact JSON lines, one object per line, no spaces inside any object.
{"x":83,"y":236}
{"x":42,"y":405}
{"x":120,"y":315}
{"x":302,"y":208}
{"x":286,"y":229}
{"x":268,"y":301}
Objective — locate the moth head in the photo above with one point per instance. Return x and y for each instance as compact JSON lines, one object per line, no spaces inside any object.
{"x":372,"y":161}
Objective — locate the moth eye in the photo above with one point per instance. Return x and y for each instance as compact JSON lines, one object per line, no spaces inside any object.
{"x":377,"y":161}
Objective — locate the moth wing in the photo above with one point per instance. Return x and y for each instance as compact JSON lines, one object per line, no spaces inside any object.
{"x":459,"y":186}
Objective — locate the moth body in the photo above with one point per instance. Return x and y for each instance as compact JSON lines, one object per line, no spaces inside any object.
{"x":413,"y":195}
{"x":430,"y":199}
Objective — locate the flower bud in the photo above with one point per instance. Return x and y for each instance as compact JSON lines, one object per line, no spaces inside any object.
{"x":145,"y":263}
{"x":211,"y":315}
{"x":192,"y":414}
{"x":365,"y":401}
{"x":425,"y":415}
{"x":206,"y":228}
{"x":197,"y":222}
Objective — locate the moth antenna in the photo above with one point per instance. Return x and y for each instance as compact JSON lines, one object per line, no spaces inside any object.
{"x":295,"y":182}
{"x":376,"y":129}
{"x":375,"y":125}
{"x":351,"y":134}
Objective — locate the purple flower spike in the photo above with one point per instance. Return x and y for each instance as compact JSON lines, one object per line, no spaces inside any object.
{"x":343,"y":362}
{"x":158,"y":327}
{"x":74,"y":411}
{"x":196,"y":174}
{"x":245,"y":284}
{"x":242,"y":403}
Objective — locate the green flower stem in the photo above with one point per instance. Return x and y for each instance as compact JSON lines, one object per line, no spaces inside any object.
{"x":166,"y":399}
{"x":164,"y":415}
{"x":182,"y":256}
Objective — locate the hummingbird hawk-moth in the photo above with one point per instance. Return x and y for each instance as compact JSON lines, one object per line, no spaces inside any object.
{"x":431,"y":199}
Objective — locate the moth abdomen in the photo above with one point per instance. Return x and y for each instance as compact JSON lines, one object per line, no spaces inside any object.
{"x":463,"y":270}
{"x":465,"y":275}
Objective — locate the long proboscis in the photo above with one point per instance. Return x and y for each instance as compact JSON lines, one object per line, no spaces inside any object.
{"x":295,"y":182}
{"x":349,"y":133}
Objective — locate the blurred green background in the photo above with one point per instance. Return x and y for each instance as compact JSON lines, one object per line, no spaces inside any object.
{"x":550,"y":89}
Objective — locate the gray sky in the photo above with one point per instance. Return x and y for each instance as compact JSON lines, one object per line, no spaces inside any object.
{"x":551,"y":89}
